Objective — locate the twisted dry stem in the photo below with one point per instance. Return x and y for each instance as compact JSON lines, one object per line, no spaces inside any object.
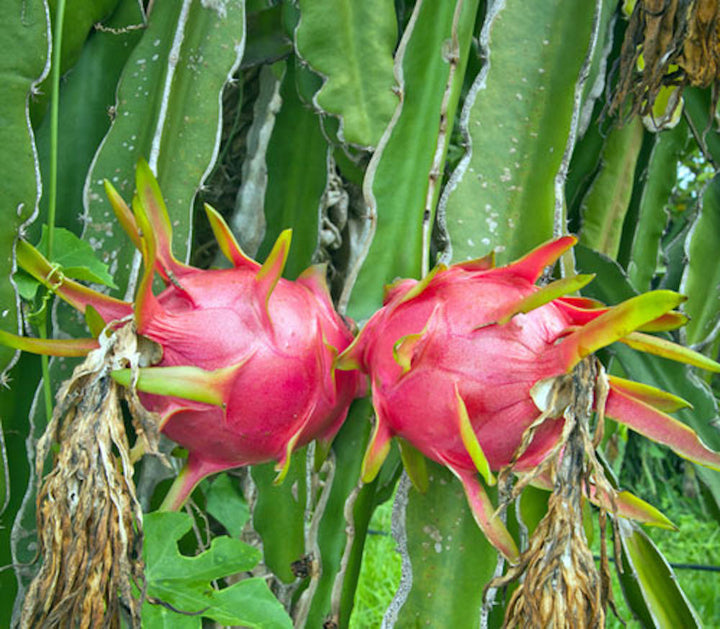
{"x":561,"y":585}
{"x":679,"y":42}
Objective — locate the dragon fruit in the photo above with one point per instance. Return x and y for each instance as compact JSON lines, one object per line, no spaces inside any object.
{"x":246,"y":358}
{"x":462,"y":364}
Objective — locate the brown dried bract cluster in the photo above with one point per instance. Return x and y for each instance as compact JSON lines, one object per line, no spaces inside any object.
{"x":561,"y":586}
{"x":679,"y":41}
{"x":88,"y":517}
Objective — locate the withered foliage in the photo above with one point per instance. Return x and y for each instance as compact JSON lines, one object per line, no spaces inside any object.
{"x":679,"y":41}
{"x":561,"y":586}
{"x":88,"y":517}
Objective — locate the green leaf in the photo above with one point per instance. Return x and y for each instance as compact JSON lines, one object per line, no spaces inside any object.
{"x":76,"y":257}
{"x":701,"y":278}
{"x":27,"y":286}
{"x":296,"y":176}
{"x":608,"y":199}
{"x":159,"y":617}
{"x":332,"y":538}
{"x":279,"y":514}
{"x":517,"y":120}
{"x":446,"y":555}
{"x":87,"y":98}
{"x":650,"y":586}
{"x":397,"y":184}
{"x":652,"y":212}
{"x":24,"y":39}
{"x":226,"y":505}
{"x":184,"y":582}
{"x":356,"y":62}
{"x":168,"y":111}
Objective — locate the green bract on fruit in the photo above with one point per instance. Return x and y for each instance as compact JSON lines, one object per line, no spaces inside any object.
{"x":245,"y":373}
{"x":463,"y":362}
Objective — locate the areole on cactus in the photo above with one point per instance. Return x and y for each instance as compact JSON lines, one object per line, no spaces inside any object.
{"x":463,"y":365}
{"x":245,"y":369}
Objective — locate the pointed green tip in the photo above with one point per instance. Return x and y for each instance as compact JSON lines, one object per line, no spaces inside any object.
{"x":282,"y":470}
{"x":472,"y":445}
{"x":48,"y":347}
{"x":123,"y":214}
{"x":189,"y":383}
{"x":377,"y":451}
{"x":418,"y":288}
{"x":617,"y":323}
{"x":110,"y":190}
{"x":415,"y":465}
{"x":672,"y":351}
{"x":143,"y":172}
{"x":226,"y":240}
{"x":272,"y":269}
{"x":545,"y":295}
{"x":94,"y":321}
{"x":404,"y":349}
{"x":283,"y":466}
{"x":630,"y":506}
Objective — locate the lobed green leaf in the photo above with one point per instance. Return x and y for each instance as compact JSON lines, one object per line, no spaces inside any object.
{"x":226,"y":505}
{"x":356,"y":62}
{"x":184,"y":582}
{"x":76,"y":257}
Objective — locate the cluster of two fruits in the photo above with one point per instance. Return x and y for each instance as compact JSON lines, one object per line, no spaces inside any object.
{"x":253,"y":366}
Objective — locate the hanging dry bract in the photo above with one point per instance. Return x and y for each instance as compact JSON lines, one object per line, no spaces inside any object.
{"x":88,"y":517}
{"x":668,"y":45}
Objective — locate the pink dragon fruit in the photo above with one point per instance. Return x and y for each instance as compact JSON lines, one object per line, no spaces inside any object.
{"x":460,"y":364}
{"x":247,"y":370}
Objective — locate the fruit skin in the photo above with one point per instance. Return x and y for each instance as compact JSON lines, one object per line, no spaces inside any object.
{"x":247,"y":373}
{"x":460,"y":364}
{"x":281,"y":390}
{"x":246,"y":367}
{"x":461,"y":353}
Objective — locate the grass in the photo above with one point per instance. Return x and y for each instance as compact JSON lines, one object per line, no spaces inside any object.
{"x":696,"y":542}
{"x":379,"y":574}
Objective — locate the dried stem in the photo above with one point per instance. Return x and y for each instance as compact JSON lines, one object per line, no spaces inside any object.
{"x":561,"y":585}
{"x":88,"y":517}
